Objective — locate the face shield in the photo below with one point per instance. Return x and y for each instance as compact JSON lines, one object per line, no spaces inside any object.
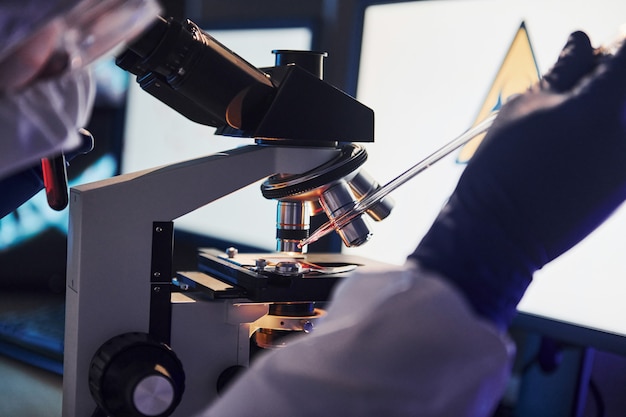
{"x":46,"y":92}
{"x":64,"y":35}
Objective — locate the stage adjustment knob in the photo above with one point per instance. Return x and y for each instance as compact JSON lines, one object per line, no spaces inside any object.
{"x":132,"y":375}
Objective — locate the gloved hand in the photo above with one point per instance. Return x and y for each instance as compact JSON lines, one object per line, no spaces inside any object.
{"x":550,"y":170}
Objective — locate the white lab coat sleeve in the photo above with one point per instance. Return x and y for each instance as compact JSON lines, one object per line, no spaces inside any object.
{"x":395,"y":342}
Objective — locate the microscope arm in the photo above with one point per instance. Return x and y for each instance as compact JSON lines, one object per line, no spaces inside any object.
{"x":110,"y":244}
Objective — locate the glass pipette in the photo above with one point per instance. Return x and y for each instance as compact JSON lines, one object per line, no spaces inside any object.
{"x":374,"y":197}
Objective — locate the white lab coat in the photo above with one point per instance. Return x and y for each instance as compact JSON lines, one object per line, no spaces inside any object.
{"x":398,"y":342}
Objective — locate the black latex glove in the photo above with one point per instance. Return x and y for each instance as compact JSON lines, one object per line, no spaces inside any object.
{"x":550,"y":170}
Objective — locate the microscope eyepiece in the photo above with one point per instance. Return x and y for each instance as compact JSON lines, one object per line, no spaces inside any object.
{"x":150,"y":39}
{"x":196,"y":75}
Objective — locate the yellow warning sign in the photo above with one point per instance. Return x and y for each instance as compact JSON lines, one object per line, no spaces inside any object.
{"x":517,"y":73}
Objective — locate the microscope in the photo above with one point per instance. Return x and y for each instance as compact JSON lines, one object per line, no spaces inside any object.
{"x":144,"y":340}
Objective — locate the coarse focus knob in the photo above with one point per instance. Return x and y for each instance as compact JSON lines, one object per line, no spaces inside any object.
{"x":133,"y":375}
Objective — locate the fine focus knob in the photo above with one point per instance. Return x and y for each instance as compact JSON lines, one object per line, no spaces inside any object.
{"x":133,"y":375}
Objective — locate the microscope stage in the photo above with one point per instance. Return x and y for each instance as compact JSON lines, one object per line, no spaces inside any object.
{"x":269,"y":277}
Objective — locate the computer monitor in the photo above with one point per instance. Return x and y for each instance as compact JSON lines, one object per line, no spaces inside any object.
{"x":426,"y":68}
{"x":156,"y":135}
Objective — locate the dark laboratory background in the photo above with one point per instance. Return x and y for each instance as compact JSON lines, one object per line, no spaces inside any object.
{"x":556,"y":373}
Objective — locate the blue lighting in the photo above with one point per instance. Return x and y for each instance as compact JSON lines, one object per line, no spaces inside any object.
{"x":34,"y":216}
